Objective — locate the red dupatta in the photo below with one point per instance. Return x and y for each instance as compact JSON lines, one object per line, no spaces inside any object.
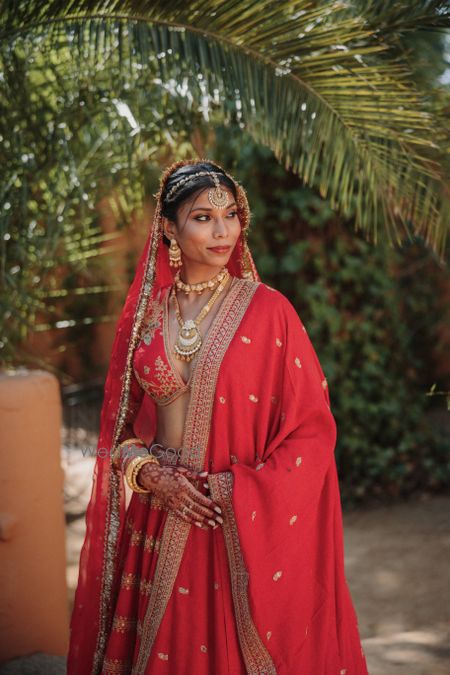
{"x":97,"y":580}
{"x":259,"y":420}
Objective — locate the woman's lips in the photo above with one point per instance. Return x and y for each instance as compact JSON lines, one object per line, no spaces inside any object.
{"x":219,"y":249}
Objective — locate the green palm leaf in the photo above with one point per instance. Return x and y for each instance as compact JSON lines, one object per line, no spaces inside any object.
{"x":317,"y":82}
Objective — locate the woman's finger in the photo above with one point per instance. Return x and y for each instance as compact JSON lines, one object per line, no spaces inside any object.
{"x":193,"y":518}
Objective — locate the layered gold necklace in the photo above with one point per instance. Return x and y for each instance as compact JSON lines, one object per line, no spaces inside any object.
{"x":189,"y":339}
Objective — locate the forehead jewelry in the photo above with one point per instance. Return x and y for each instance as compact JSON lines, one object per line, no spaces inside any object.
{"x":217,"y":195}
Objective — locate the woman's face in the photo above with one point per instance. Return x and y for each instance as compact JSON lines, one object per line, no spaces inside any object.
{"x":202,"y":226}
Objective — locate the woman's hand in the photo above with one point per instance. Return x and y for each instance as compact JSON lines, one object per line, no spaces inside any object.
{"x":171,"y":484}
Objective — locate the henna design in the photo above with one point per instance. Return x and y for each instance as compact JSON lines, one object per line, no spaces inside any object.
{"x":173,"y":487}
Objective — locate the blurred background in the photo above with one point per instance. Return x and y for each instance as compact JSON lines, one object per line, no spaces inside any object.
{"x":92,"y":112}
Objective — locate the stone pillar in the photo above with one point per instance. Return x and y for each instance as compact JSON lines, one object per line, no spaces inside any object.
{"x":34,"y":609}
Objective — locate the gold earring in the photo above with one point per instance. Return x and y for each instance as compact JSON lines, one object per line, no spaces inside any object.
{"x":174,"y":254}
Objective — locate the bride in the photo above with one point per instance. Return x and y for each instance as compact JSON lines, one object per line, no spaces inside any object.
{"x":228,"y":557}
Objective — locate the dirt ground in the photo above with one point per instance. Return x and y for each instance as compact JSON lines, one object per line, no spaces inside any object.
{"x":397,"y":567}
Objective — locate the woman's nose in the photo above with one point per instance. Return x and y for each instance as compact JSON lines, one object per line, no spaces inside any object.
{"x":221,"y":226}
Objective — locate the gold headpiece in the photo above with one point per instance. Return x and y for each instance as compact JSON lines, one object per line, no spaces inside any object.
{"x":217,"y":195}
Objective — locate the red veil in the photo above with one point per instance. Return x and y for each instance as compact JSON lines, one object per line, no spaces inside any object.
{"x":266,"y":412}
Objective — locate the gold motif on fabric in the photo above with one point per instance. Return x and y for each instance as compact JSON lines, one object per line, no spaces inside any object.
{"x":129,"y":581}
{"x":123,"y":624}
{"x":145,"y":587}
{"x":115,"y":667}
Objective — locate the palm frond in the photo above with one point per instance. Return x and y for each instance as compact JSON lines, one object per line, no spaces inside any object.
{"x":314,"y":82}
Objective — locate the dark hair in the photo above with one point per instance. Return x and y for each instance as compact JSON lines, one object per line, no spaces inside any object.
{"x":169,"y":208}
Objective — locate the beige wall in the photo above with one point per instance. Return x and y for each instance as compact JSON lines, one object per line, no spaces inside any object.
{"x":34,"y":612}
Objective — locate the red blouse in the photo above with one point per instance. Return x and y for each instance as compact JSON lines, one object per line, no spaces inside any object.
{"x":153,"y":361}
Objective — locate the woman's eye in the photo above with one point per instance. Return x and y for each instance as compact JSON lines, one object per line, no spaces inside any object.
{"x":200,"y":218}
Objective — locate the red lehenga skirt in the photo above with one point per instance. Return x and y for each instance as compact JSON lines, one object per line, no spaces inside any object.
{"x":198,"y":632}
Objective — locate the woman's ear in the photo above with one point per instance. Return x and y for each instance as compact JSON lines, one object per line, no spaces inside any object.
{"x":169,"y":228}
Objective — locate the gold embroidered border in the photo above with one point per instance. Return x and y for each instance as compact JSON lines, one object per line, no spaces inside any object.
{"x":195,"y":440}
{"x":112,"y":517}
{"x":257,"y":659}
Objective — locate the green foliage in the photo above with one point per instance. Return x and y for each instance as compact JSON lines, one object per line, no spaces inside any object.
{"x":373,"y":321}
{"x":326,"y":86}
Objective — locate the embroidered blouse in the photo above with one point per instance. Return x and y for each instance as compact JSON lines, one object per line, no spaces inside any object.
{"x":152,"y":360}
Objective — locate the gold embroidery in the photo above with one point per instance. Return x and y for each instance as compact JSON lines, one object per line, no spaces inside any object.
{"x":277,"y":575}
{"x":298,"y":461}
{"x":257,"y":658}
{"x":145,"y":587}
{"x":203,"y":648}
{"x":260,"y":466}
{"x":183,"y":590}
{"x":253,"y":515}
{"x":123,"y":624}
{"x":136,"y":538}
{"x":253,"y":398}
{"x":116,"y":667}
{"x":293,"y":519}
{"x":166,"y":377}
{"x":269,"y":634}
{"x":163,"y":657}
{"x":222,"y":399}
{"x":195,"y":439}
{"x":129,"y":580}
{"x":157,"y":503}
{"x":278,"y":342}
{"x":297,"y":362}
{"x":151,"y":543}
{"x":324,"y":383}
{"x":152,"y":321}
{"x":245,"y":339}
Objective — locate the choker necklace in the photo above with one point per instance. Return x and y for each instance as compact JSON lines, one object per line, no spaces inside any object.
{"x":201,"y":285}
{"x":189,"y":339}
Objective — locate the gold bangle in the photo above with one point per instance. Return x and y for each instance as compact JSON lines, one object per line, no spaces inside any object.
{"x":129,"y":474}
{"x":118,"y":455}
{"x":132,"y":471}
